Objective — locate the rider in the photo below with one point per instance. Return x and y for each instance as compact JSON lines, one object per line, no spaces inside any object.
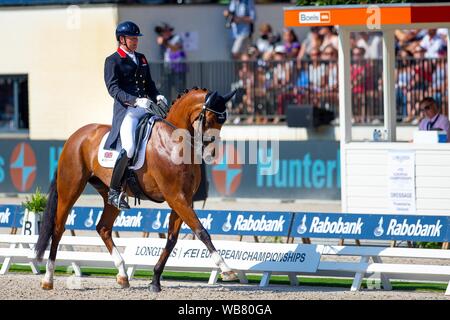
{"x":128,"y":80}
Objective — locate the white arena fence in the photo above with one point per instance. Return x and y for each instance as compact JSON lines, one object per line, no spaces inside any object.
{"x":260,"y":258}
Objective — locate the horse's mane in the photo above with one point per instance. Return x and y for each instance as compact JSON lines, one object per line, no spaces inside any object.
{"x":186,"y":91}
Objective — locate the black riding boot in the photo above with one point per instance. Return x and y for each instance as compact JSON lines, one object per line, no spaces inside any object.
{"x":114,"y":194}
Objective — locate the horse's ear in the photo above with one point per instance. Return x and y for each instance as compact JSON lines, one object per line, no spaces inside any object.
{"x":230,"y":95}
{"x":211,"y":99}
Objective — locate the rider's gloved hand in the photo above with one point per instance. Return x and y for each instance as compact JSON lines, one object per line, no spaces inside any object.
{"x":163,"y":106}
{"x":142,"y":103}
{"x":161,"y":99}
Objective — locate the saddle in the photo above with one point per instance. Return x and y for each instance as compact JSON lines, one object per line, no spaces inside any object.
{"x":107,"y":158}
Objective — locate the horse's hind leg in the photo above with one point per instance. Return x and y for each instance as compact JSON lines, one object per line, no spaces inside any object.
{"x":187,"y":213}
{"x":104,"y":229}
{"x":172,"y":237}
{"x":70,"y":185}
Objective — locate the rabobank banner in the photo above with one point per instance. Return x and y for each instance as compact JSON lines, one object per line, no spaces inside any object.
{"x":281,"y":170}
{"x":10,"y":216}
{"x":262,"y":223}
{"x":215,"y":221}
{"x":228,"y":222}
{"x":157,"y":220}
{"x":371,"y":226}
{"x":86,"y":218}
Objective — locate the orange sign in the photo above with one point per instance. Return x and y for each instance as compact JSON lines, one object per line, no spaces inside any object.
{"x":365,"y":15}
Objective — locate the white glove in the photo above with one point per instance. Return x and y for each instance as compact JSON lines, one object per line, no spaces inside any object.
{"x":161,"y":98}
{"x":142,"y":103}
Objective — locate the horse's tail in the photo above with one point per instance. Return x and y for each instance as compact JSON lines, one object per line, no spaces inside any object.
{"x":48,"y":224}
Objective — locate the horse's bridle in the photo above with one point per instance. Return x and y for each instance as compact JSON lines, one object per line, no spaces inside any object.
{"x":198,"y":134}
{"x":221,"y":117}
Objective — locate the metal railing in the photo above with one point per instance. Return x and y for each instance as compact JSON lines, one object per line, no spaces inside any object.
{"x":266,"y":88}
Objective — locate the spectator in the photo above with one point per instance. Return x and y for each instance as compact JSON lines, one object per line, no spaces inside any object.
{"x":266,"y":40}
{"x":175,"y":60}
{"x":372,"y":44}
{"x":282,"y":73}
{"x":433,"y":44}
{"x":357,"y":75}
{"x":403,"y":76}
{"x":291,"y":43}
{"x":245,"y":87}
{"x":312,"y":41}
{"x":421,"y":79}
{"x":329,"y":57}
{"x":406,"y":36}
{"x":329,"y":37}
{"x":253,"y":52}
{"x":433,"y":119}
{"x":419,"y":52}
{"x":316,"y":76}
{"x":442,"y":32}
{"x":241,"y":14}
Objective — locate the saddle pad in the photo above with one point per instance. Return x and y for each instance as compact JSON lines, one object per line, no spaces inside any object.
{"x":107,"y":158}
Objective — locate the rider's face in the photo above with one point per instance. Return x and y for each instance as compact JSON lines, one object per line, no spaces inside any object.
{"x":131,"y":42}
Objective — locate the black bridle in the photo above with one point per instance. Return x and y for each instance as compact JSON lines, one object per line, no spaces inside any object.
{"x":199,"y":136}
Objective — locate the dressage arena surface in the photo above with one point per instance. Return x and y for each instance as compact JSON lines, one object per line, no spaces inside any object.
{"x":17,"y":286}
{"x":26,"y":286}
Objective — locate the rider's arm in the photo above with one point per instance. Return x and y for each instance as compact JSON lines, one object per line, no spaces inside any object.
{"x":112,"y":84}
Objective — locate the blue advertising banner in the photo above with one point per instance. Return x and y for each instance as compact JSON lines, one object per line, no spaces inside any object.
{"x":10,"y":216}
{"x":298,"y":169}
{"x":215,"y":221}
{"x":260,"y":223}
{"x":371,"y":226}
{"x":228,"y":222}
{"x":86,"y":218}
{"x":157,"y":220}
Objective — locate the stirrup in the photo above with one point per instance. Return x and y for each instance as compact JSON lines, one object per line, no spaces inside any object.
{"x":117,"y":200}
{"x":123,"y":204}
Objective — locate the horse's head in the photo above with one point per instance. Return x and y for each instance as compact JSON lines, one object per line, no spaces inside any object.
{"x":213,"y":113}
{"x":200,"y":112}
{"x":211,"y":117}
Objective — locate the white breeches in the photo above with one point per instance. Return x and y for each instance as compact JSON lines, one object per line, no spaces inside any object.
{"x":128,"y":129}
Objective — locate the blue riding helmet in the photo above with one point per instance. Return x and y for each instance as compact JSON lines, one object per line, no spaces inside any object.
{"x":127,"y":28}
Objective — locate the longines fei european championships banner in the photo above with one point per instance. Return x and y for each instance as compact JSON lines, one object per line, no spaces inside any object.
{"x":287,"y":170}
{"x":262,"y":223}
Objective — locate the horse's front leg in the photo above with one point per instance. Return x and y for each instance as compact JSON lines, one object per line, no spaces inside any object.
{"x":189,"y":216}
{"x":172,"y":237}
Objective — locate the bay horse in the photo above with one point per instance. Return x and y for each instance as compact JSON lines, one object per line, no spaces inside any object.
{"x":160,"y":178}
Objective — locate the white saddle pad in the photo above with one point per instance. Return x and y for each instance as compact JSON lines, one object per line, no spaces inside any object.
{"x":107,"y":158}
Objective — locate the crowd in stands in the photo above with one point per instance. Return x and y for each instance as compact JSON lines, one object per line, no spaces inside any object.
{"x":277,"y":69}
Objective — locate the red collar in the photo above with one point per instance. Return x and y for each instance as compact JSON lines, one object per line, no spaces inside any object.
{"x":121,"y":53}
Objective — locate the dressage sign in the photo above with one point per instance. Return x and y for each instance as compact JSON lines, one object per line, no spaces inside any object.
{"x":241,"y":256}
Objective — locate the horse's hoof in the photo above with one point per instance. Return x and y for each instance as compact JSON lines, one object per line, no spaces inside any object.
{"x":46,"y":285}
{"x":154,"y":288}
{"x":229,"y":276}
{"x":123,"y":282}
